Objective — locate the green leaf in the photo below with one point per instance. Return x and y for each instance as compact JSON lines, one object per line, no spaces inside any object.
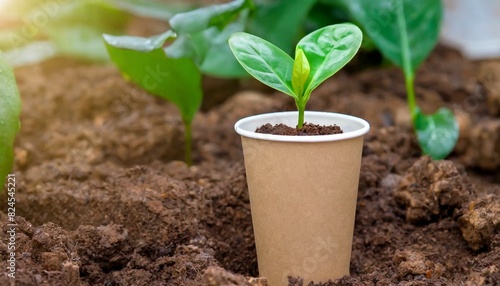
{"x":264,"y":61}
{"x":10,"y":110}
{"x":301,"y":70}
{"x":138,"y":43}
{"x":210,"y":49}
{"x":175,"y":79}
{"x":328,"y":50}
{"x":437,"y":133}
{"x":203,"y":18}
{"x":280,"y":21}
{"x":418,"y":30}
{"x":328,"y":12}
{"x":324,"y":14}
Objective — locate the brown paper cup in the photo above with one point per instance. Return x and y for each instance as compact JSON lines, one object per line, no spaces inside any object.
{"x":303,"y":192}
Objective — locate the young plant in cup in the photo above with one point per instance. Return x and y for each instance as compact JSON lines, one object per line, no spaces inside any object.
{"x":302,"y":189}
{"x":318,"y":56}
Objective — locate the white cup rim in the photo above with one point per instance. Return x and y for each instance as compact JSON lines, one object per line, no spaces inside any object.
{"x":352,"y":126}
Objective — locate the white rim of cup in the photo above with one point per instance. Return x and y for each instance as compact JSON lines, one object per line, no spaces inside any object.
{"x":246,"y":128}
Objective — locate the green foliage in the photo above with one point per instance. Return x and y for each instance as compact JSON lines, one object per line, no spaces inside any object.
{"x":329,"y":49}
{"x":280,"y":22}
{"x":174,"y":73}
{"x":324,"y":14}
{"x":437,"y":133}
{"x":328,"y":12}
{"x":263,"y":60}
{"x":318,"y":56}
{"x":10,"y":110}
{"x":212,"y":16}
{"x":381,"y":21}
{"x":209,"y":50}
{"x":301,"y":71}
{"x":144,"y":62}
{"x":405,"y":32}
{"x":202,"y":35}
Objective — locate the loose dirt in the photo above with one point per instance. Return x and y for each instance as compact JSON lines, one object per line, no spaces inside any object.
{"x":308,"y":129}
{"x":102,"y":198}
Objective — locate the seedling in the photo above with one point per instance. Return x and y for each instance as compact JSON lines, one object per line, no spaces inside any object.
{"x":318,"y":56}
{"x":144,"y":62}
{"x":174,"y":73}
{"x":10,"y":109}
{"x":406,"y":32}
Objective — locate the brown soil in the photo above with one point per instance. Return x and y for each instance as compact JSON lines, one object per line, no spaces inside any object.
{"x":307,"y":129}
{"x":102,"y":198}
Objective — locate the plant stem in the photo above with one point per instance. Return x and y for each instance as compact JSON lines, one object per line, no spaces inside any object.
{"x":407,"y":64}
{"x":301,"y":108}
{"x":410,"y":94}
{"x":187,"y":142}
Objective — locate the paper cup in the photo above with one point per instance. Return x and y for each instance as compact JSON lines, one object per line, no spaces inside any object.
{"x":303,"y":192}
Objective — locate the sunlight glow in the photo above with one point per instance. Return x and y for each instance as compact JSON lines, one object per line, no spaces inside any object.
{"x":3,"y":4}
{"x":5,"y":12}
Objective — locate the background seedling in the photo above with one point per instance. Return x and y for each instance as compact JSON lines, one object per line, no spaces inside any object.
{"x":318,"y":56}
{"x":174,"y":72}
{"x":406,"y":32}
{"x":144,"y":62}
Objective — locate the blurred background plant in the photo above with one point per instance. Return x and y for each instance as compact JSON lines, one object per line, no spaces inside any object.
{"x":406,"y":32}
{"x":174,"y":73}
